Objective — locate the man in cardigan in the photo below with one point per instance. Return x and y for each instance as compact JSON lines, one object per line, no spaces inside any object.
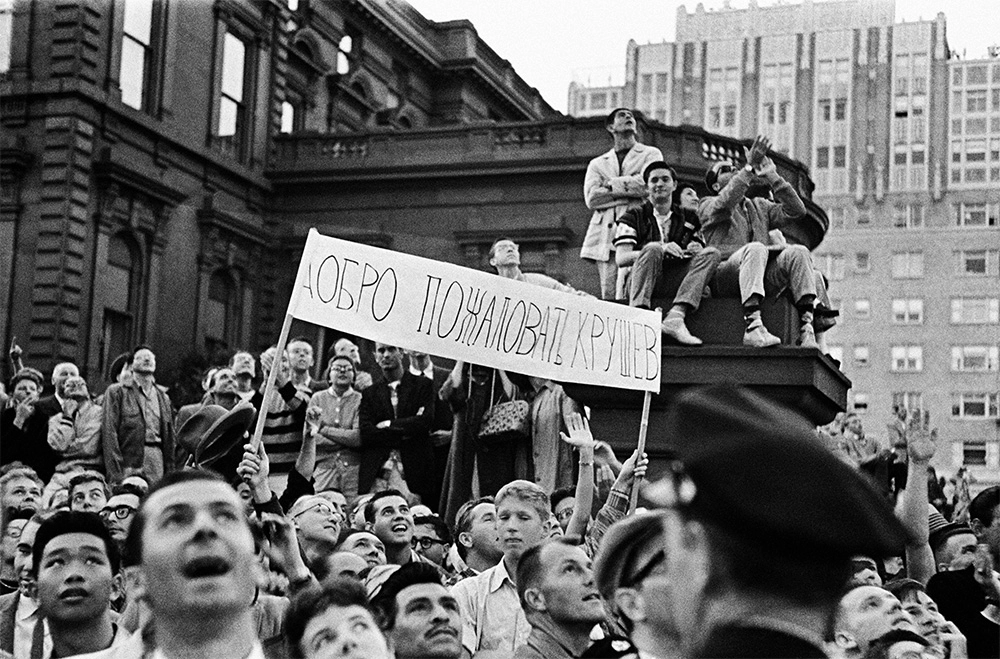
{"x":662,"y":244}
{"x":613,"y":185}
{"x":138,"y":428}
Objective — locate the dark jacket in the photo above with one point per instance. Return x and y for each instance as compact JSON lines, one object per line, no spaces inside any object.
{"x":639,"y":227}
{"x":408,"y":432}
{"x":747,"y":642}
{"x":124,"y":429}
{"x":29,"y":444}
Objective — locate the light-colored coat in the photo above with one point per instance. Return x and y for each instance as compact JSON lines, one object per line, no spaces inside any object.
{"x":627,"y":191}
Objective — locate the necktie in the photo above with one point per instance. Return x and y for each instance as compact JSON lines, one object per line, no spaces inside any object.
{"x":38,"y":638}
{"x":394,"y":396}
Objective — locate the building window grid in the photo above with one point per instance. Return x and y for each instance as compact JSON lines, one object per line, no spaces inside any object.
{"x":977,"y":262}
{"x":862,"y":355}
{"x":974,"y":454}
{"x":232,"y":123}
{"x":974,"y":359}
{"x":977,"y":214}
{"x":862,"y":308}
{"x":907,"y":265}
{"x":975,"y":311}
{"x":908,"y":168}
{"x":976,"y":109}
{"x":907,"y":311}
{"x":723,"y":94}
{"x":907,"y":358}
{"x":975,"y":405}
{"x":908,"y":216}
{"x":830,"y":129}
{"x":831,"y":265}
{"x":908,"y":400}
{"x":777,"y":94}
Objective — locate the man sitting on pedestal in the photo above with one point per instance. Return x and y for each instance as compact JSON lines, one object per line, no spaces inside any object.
{"x":662,"y":244}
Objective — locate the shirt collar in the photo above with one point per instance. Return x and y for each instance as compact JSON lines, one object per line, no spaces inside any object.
{"x":427,"y":372}
{"x":498,"y":575}
{"x":26,"y":607}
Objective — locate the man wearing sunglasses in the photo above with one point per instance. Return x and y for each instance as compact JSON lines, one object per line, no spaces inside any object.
{"x":756,"y":260}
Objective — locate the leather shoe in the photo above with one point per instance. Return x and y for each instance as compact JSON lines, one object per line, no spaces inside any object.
{"x":757,"y":336}
{"x":678,"y":331}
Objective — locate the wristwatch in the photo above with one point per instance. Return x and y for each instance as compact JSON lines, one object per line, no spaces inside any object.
{"x":748,"y":168}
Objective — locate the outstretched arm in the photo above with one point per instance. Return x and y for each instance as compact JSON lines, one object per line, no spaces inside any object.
{"x":581,"y":438}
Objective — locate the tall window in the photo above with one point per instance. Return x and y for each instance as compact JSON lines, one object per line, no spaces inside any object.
{"x":121,"y":297}
{"x":231,"y":111}
{"x":348,"y":50}
{"x":861,"y":355}
{"x":863,"y":308}
{"x":223,"y":313}
{"x":136,"y":53}
{"x":831,"y":265}
{"x":6,"y":33}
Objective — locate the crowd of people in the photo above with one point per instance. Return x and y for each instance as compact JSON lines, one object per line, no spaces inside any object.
{"x":388,"y":513}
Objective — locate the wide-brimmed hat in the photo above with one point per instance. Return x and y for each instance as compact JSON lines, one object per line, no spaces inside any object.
{"x":225,"y":435}
{"x":191,"y":432}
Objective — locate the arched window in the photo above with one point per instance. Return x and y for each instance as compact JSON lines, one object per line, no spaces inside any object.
{"x":122,"y":290}
{"x":223,"y":313}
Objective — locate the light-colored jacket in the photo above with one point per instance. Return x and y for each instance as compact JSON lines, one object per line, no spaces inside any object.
{"x":627,"y":191}
{"x":78,"y":437}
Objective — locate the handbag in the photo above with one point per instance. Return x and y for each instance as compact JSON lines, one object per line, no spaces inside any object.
{"x":505,"y":422}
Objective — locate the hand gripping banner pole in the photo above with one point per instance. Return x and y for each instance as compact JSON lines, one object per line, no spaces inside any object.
{"x":643,"y":427}
{"x":258,"y":430}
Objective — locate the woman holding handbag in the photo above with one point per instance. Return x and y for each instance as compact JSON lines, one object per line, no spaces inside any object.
{"x":479,"y":464}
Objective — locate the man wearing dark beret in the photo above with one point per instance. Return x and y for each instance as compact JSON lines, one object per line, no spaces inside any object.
{"x":630,"y":572}
{"x":760,"y":525}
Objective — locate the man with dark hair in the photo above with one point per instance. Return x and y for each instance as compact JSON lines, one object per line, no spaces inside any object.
{"x":431,"y":538}
{"x":76,"y":567}
{"x":419,"y":615}
{"x":334,"y":619}
{"x":137,"y":432}
{"x":476,"y":536}
{"x":285,"y":418}
{"x":244,"y":368}
{"x":746,"y":230}
{"x":984,"y":518}
{"x":88,"y":492}
{"x":954,"y":547}
{"x":555,"y":584}
{"x":364,"y":544}
{"x":661,"y":248}
{"x":388,"y":517}
{"x":761,"y":521}
{"x":347,"y":348}
{"x":119,"y":512}
{"x":395,"y":419}
{"x":630,"y":573}
{"x":24,"y":430}
{"x":613,"y":185}
{"x":197,"y":563}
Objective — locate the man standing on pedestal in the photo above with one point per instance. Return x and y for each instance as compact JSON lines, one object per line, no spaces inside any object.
{"x":612,"y":186}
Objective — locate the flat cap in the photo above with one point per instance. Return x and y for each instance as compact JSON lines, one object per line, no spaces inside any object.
{"x":757,"y":470}
{"x":621,"y":543}
{"x":939,"y":535}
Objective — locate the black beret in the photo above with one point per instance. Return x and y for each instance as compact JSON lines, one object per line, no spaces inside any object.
{"x":760,"y":472}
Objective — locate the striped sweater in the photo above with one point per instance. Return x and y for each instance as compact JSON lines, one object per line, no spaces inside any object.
{"x":283,"y":426}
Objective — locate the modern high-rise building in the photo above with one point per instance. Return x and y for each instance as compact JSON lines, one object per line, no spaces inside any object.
{"x":903,"y":142}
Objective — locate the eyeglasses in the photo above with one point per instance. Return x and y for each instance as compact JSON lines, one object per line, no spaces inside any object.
{"x":323,"y":509}
{"x":342,"y":369}
{"x":425,"y":543}
{"x":121,"y":512}
{"x":565,"y":514}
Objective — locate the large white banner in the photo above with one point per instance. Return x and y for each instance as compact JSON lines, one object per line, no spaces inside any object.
{"x":478,"y":317}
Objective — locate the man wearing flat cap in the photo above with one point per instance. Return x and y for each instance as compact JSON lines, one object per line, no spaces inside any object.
{"x":630,"y":572}
{"x":765,"y":521}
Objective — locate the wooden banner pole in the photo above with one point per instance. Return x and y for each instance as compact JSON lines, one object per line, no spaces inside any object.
{"x":269,"y":387}
{"x":643,"y":428}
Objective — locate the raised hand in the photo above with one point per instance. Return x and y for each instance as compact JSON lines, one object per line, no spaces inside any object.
{"x":579,"y":432}
{"x":757,"y":151}
{"x":254,"y":469}
{"x":920,"y":439}
{"x":634,"y":467}
{"x":284,"y":546}
{"x":766,"y":168}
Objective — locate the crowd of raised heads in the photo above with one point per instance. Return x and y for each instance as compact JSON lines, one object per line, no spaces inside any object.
{"x":378,"y":502}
